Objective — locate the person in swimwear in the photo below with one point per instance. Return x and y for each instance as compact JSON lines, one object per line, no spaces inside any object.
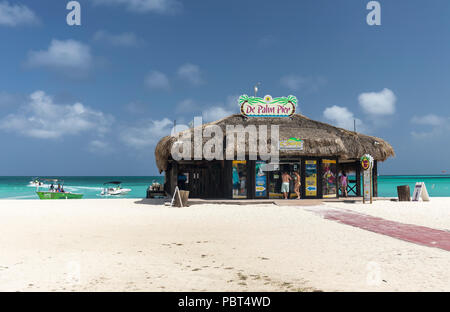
{"x":297,"y":184}
{"x":285,"y":177}
{"x":343,"y":182}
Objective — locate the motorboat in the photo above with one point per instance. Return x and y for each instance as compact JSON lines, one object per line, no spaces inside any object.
{"x":114,"y":188}
{"x":36,"y":182}
{"x":56,"y":192}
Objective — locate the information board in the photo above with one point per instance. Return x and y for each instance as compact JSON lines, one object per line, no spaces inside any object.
{"x":420,"y":192}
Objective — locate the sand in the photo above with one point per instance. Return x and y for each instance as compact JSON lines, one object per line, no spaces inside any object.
{"x":128,"y":245}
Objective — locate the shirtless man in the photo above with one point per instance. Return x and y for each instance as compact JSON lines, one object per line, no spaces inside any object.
{"x":285,"y":177}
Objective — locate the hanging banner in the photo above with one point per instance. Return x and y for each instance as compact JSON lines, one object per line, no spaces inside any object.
{"x":291,"y":144}
{"x":311,"y":178}
{"x":252,"y":106}
{"x":260,"y":179}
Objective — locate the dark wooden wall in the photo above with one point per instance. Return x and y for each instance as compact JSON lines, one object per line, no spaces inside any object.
{"x":216,"y":177}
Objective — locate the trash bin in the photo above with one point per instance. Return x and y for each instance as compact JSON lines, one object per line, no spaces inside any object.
{"x":404,"y":193}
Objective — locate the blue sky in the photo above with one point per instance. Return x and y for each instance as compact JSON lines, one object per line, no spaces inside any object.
{"x":94,"y":99}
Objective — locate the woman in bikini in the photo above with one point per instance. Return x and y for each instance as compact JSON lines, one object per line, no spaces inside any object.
{"x":344,"y":182}
{"x":297,"y":184}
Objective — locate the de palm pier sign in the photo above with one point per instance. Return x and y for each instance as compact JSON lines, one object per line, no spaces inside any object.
{"x":252,"y":106}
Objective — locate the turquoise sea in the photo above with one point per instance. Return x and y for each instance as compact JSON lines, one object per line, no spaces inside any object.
{"x":91,"y":187}
{"x":19,"y":188}
{"x":437,"y":185}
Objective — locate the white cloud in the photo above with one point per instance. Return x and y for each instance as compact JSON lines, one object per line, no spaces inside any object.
{"x":157,"y":80}
{"x":297,"y":83}
{"x":69,"y":56}
{"x":215,"y":113}
{"x":145,"y":6}
{"x":187,"y":106}
{"x":343,"y":118}
{"x":420,"y":135}
{"x":99,"y":147}
{"x":378,"y":103}
{"x":221,"y":110}
{"x":137,"y":107}
{"x":42,"y":118}
{"x":429,"y":120}
{"x":437,"y":126}
{"x":191,"y":73}
{"x":15,"y":15}
{"x":147,"y":134}
{"x":127,"y":39}
{"x":211,"y":111}
{"x":232,"y":102}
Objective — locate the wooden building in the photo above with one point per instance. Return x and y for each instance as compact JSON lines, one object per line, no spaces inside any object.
{"x":319,"y":153}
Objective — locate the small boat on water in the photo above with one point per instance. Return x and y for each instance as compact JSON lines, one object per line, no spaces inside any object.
{"x":36,"y":182}
{"x":56,"y":192}
{"x":114,"y":188}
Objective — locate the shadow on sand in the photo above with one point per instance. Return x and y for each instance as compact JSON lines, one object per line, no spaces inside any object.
{"x":152,"y":201}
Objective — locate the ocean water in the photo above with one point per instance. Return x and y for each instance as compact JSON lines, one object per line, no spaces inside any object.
{"x":90,"y":187}
{"x":437,"y":185}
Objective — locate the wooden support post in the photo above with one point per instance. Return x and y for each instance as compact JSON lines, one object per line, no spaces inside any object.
{"x":338,"y":169}
{"x":375,"y":178}
{"x":251,"y":186}
{"x":173,"y":176}
{"x":358,"y":179}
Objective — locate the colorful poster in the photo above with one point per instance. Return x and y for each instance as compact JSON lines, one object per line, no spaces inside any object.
{"x":329,"y":174}
{"x":311,"y":177}
{"x":260,"y":179}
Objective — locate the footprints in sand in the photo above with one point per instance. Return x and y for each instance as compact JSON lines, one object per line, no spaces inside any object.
{"x":173,"y":244}
{"x":200,"y":265}
{"x":264,"y":282}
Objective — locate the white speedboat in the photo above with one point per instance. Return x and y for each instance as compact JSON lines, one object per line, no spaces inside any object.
{"x":114,"y":188}
{"x":35,"y":182}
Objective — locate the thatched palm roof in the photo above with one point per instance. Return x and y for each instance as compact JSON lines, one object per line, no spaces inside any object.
{"x":320,"y":139}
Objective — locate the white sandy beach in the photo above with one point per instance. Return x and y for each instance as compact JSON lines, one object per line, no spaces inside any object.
{"x":126,"y":245}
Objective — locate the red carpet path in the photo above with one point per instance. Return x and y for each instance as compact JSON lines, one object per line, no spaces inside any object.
{"x":408,"y":232}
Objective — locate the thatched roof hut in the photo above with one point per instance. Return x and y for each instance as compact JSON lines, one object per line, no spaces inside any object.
{"x":320,"y":139}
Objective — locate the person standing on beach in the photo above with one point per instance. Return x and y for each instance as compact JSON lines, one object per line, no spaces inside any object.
{"x":297,"y":184}
{"x":343,"y":182}
{"x":285,"y":185}
{"x":236,"y":182}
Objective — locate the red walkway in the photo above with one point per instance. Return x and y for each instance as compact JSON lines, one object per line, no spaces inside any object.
{"x":411,"y":233}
